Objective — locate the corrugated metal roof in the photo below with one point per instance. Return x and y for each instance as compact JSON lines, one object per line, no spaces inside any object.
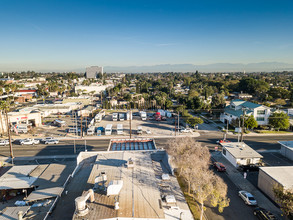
{"x":11,"y":213}
{"x":45,"y":193}
{"x":132,"y":144}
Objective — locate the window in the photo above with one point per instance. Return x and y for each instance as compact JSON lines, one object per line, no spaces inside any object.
{"x":261,"y":112}
{"x":260,"y":118}
{"x":224,"y":151}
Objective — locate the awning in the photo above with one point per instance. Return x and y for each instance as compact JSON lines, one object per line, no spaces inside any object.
{"x":44,"y":194}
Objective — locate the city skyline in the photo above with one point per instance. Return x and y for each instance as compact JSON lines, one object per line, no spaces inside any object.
{"x":71,"y":35}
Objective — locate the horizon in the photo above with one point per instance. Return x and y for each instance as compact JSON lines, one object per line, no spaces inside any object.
{"x":71,"y":35}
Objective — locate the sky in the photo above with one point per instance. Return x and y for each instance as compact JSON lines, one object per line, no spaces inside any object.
{"x":50,"y":35}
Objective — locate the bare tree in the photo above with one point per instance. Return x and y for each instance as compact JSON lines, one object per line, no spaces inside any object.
{"x":192,"y":161}
{"x":207,"y":186}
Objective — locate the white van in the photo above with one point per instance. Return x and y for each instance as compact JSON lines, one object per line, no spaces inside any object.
{"x":120,"y":129}
{"x":115,"y":116}
{"x":121,"y":116}
{"x":108,"y":129}
{"x":139,"y":130}
{"x":90,"y":131}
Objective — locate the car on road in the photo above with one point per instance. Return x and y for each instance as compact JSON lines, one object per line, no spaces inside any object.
{"x":247,"y":197}
{"x":148,"y":131}
{"x":219,"y":167}
{"x":4,"y":142}
{"x":52,"y":141}
{"x":223,"y":141}
{"x":262,"y":213}
{"x":29,"y":141}
{"x":185,"y":130}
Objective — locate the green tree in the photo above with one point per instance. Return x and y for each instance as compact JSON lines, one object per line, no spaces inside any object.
{"x":285,"y":199}
{"x":279,"y":120}
{"x":250,"y":122}
{"x":193,"y":121}
{"x":218,"y":100}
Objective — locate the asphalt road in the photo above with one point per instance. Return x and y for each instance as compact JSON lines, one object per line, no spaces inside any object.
{"x":237,"y":206}
{"x":66,"y":147}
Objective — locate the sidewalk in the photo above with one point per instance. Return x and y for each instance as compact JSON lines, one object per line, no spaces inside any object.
{"x":243,"y":184}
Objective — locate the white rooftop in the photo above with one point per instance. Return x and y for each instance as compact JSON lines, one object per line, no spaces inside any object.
{"x":141,"y":194}
{"x":281,"y":174}
{"x":241,"y":150}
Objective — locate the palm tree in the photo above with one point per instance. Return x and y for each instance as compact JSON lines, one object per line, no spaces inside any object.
{"x":5,"y":106}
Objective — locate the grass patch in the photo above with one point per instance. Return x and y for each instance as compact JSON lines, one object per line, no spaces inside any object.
{"x":272,"y":132}
{"x":193,"y":206}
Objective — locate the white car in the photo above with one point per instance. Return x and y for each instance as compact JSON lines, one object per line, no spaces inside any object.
{"x":29,"y":141}
{"x":4,"y":142}
{"x":185,"y":130}
{"x":51,"y":141}
{"x":247,"y":197}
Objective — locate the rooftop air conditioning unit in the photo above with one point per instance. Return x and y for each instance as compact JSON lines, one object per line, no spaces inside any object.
{"x":170,"y":199}
{"x":165,"y":177}
{"x":114,"y":187}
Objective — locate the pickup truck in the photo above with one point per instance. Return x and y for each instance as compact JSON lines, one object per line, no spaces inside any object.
{"x":29,"y":141}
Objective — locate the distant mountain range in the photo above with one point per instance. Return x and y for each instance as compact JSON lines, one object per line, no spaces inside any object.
{"x":216,"y":67}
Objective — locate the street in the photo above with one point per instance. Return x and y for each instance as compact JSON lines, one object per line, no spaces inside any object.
{"x":66,"y":147}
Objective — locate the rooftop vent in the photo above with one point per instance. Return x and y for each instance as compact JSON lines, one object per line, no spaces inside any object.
{"x":130,"y":163}
{"x":80,"y":202}
{"x":170,"y":199}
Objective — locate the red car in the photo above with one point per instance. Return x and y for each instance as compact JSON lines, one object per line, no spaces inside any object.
{"x":223,"y":141}
{"x":219,"y":167}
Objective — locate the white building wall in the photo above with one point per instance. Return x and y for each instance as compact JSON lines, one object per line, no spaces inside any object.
{"x":230,"y":158}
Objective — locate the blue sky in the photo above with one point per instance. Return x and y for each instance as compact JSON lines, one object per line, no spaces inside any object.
{"x":68,"y":35}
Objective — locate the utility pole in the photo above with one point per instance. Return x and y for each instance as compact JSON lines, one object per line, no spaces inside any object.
{"x":238,"y":129}
{"x":130,"y":116}
{"x":74,"y":147}
{"x":9,"y":136}
{"x":81,"y":125}
{"x":244,"y":111}
{"x":175,"y":127}
{"x":226,"y":133}
{"x":178,"y":121}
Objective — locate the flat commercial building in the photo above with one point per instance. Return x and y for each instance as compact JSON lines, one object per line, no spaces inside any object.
{"x":239,"y":153}
{"x":268,"y":177}
{"x":93,"y":71}
{"x":28,"y":118}
{"x":141,"y":190}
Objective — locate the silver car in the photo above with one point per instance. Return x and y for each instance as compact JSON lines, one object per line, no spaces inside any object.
{"x":247,"y":197}
{"x":52,"y":141}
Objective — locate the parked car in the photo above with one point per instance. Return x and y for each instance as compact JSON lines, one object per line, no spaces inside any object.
{"x":219,"y":167}
{"x":4,"y":142}
{"x":223,"y":141}
{"x":247,"y":198}
{"x":186,"y":130}
{"x":52,"y":141}
{"x":29,"y":141}
{"x":148,"y":131}
{"x":262,"y":213}
{"x":249,"y":167}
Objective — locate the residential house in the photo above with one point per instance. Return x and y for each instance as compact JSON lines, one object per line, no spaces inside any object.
{"x":238,"y":108}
